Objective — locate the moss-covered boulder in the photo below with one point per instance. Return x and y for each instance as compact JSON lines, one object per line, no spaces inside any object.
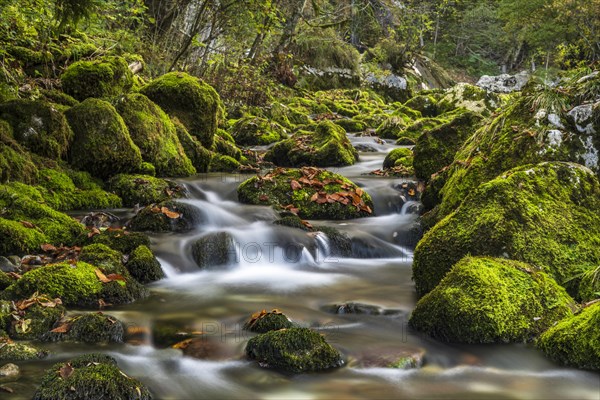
{"x":143,"y":189}
{"x":263,"y":321}
{"x":547,"y":215}
{"x":391,"y":127}
{"x":221,"y":163}
{"x":38,"y":126}
{"x":20,"y":352}
{"x":214,"y":250}
{"x":195,"y":103}
{"x":472,"y":98}
{"x":104,"y":77}
{"x":34,"y":321}
{"x":253,"y":131}
{"x":92,"y":376}
{"x":31,"y":221}
{"x":226,"y":147}
{"x":327,"y":146}
{"x":311,"y":192}
{"x":401,"y":156}
{"x":193,"y":148}
{"x":154,"y":133}
{"x":117,"y":239}
{"x":491,"y":300}
{"x":15,"y":162}
{"x":426,"y":103}
{"x":143,"y":266}
{"x":103,"y":257}
{"x":80,"y":284}
{"x":168,"y":216}
{"x":575,"y":341}
{"x":435,"y":148}
{"x":589,"y":285}
{"x":102,"y":145}
{"x":92,"y":328}
{"x":293,"y":350}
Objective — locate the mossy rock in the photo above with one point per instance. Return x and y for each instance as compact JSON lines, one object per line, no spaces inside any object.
{"x":57,"y":97}
{"x":327,"y":146}
{"x":154,"y":133}
{"x":340,"y":245}
{"x":472,"y":98}
{"x":75,"y":285}
{"x":102,"y":144}
{"x":589,"y":285}
{"x":227,"y":148}
{"x":400,"y":156}
{"x":35,"y":321}
{"x":262,"y":322}
{"x":92,"y":377}
{"x":575,"y":341}
{"x":311,"y":197}
{"x":24,"y":204}
{"x":100,"y":255}
{"x":221,"y":163}
{"x":143,"y":266}
{"x":38,"y":126}
{"x":435,"y":148}
{"x":391,"y":127}
{"x":491,"y":300}
{"x":195,"y":103}
{"x":257,"y":131}
{"x":16,"y":163}
{"x":547,"y":215}
{"x":214,"y":250}
{"x":20,"y":352}
{"x":293,"y":350}
{"x":198,"y":154}
{"x":168,"y":216}
{"x":117,"y":239}
{"x":92,"y":328}
{"x":143,"y":189}
{"x":104,"y":77}
{"x":5,"y":281}
{"x":426,"y":103}
{"x":418,"y":127}
{"x":351,"y":125}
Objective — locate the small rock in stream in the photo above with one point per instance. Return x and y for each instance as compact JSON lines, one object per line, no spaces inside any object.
{"x":9,"y":370}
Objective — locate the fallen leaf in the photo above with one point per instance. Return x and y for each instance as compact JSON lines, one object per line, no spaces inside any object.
{"x":27,"y":224}
{"x":66,"y":371}
{"x":101,"y":276}
{"x":47,"y":247}
{"x":359,"y":191}
{"x":93,"y":232}
{"x":263,"y":197}
{"x":64,"y":328}
{"x":295,"y":185}
{"x":170,"y":214}
{"x":115,"y":277}
{"x":182,"y":345}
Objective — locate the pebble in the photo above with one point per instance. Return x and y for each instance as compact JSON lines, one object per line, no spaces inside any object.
{"x":8,"y":370}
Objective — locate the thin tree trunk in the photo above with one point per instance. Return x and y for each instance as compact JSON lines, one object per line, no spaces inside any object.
{"x":290,"y":27}
{"x":191,"y":35}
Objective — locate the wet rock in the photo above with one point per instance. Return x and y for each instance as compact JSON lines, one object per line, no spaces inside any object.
{"x":409,"y":358}
{"x":92,"y":376}
{"x":7,"y":266}
{"x":103,"y":77}
{"x":206,"y":348}
{"x":365,"y":148}
{"x":214,"y":249}
{"x":143,"y":266}
{"x":393,"y":86}
{"x":118,"y":239}
{"x":491,"y":300}
{"x":9,"y":370}
{"x":253,"y":131}
{"x":399,"y":157}
{"x":34,"y":321}
{"x":144,"y":190}
{"x":168,"y":216}
{"x":263,"y":321}
{"x":166,"y":333}
{"x":294,"y":350}
{"x":338,"y":243}
{"x":504,"y":83}
{"x":93,"y":328}
{"x":354,"y":308}
{"x":20,"y":352}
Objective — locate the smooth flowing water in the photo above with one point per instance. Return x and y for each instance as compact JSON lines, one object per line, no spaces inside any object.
{"x":273,"y":271}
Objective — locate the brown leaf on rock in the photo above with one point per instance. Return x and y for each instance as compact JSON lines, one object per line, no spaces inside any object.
{"x":47,"y":247}
{"x":64,"y":328}
{"x":93,"y":232}
{"x":295,"y":185}
{"x":27,"y":224}
{"x":66,"y":371}
{"x":115,"y":277}
{"x":182,"y":345}
{"x":170,"y":214}
{"x":263,"y":197}
{"x":359,"y":191}
{"x":155,"y":209}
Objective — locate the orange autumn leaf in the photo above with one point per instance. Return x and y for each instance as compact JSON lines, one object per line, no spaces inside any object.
{"x":170,"y":214}
{"x":295,"y":185}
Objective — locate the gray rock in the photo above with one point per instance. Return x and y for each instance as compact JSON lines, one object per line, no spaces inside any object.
{"x":8,"y":370}
{"x":6,"y":265}
{"x":504,"y":83}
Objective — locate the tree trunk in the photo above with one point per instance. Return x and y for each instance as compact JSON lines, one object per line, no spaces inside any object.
{"x":289,"y":30}
{"x":191,"y":34}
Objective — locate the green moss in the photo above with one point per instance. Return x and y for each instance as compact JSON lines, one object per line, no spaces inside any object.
{"x":38,"y":126}
{"x":589,"y":285}
{"x":491,"y":300}
{"x":102,"y":145}
{"x":547,"y":215}
{"x":292,"y":221}
{"x":469,"y":97}
{"x":18,"y":239}
{"x":143,"y":266}
{"x":253,"y":131}
{"x":227,"y":148}
{"x":105,"y":77}
{"x":117,"y":239}
{"x":147,"y":169}
{"x":575,"y":341}
{"x":266,"y":322}
{"x":93,"y":377}
{"x":195,"y":103}
{"x":15,"y":162}
{"x":391,"y":127}
{"x":435,"y":148}
{"x":327,"y":146}
{"x":426,"y":103}
{"x":143,"y":189}
{"x":152,"y":218}
{"x":154,"y":133}
{"x":213,"y":250}
{"x":295,"y":350}
{"x":351,"y":125}
{"x":20,"y":352}
{"x":220,"y":163}
{"x":275,"y":189}
{"x":100,"y":255}
{"x":58,"y":97}
{"x":5,"y":281}
{"x":35,"y":321}
{"x":340,"y":244}
{"x":400,"y":156}
{"x":93,"y":328}
{"x":198,"y":154}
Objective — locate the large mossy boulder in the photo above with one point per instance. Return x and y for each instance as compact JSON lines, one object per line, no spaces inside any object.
{"x":38,"y":126}
{"x":104,"y":77}
{"x":311,"y":192}
{"x":253,"y":131}
{"x":143,"y":189}
{"x":27,"y":222}
{"x":143,"y":265}
{"x":547,"y":215}
{"x":16,"y":163}
{"x":167,"y":216}
{"x":491,"y":300}
{"x":327,"y":146}
{"x":214,"y":250}
{"x":102,"y":145}
{"x":79,"y":284}
{"x":92,"y":328}
{"x":435,"y":148}
{"x":90,"y":377}
{"x":575,"y":341}
{"x":195,"y":103}
{"x":293,"y":350}
{"x":194,"y":150}
{"x":401,"y":156}
{"x":154,"y":133}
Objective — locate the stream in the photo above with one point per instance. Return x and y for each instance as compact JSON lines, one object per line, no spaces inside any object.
{"x":272,"y":271}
